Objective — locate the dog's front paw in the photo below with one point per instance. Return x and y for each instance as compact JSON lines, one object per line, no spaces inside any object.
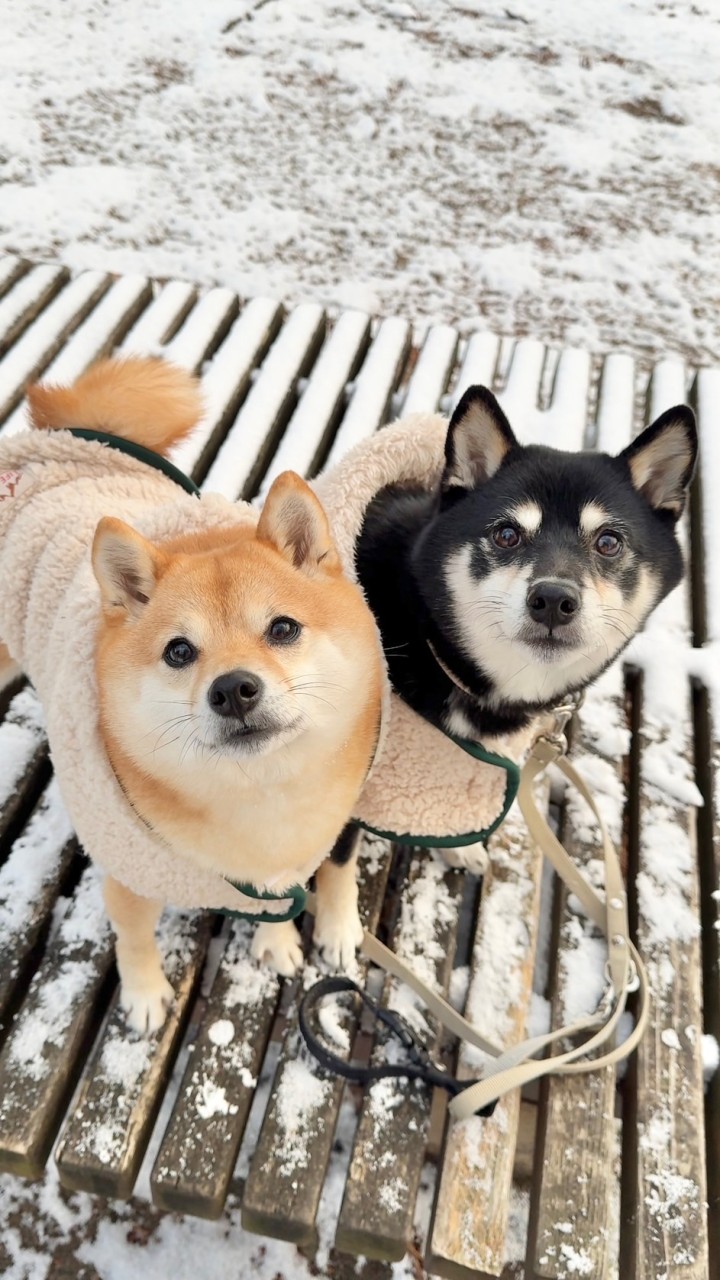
{"x":338,"y":937}
{"x":146,"y":1004}
{"x":468,"y":857}
{"x":278,"y":946}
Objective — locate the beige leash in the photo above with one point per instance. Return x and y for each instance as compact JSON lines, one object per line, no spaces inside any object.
{"x":626,"y":971}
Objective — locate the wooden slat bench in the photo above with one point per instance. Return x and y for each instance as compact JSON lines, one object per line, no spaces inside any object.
{"x":609,"y":1175}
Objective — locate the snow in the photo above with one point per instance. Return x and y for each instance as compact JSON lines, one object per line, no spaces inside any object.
{"x":21,"y":733}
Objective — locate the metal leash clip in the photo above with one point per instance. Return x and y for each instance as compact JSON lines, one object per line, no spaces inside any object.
{"x":563,"y":713}
{"x":418,"y":1064}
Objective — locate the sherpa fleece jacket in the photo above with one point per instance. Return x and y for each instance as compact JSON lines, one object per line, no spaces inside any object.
{"x":54,"y":488}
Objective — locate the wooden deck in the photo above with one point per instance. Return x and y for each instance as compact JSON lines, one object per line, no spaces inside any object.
{"x":589,"y":1176}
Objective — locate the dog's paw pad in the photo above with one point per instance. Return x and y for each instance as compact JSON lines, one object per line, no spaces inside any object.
{"x":281,"y":951}
{"x":338,"y":939}
{"x":469,"y":857}
{"x":146,"y":1006}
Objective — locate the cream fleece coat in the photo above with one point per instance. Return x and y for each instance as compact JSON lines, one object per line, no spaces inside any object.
{"x":54,"y":488}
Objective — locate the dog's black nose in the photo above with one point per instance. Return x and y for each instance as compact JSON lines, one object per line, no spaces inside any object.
{"x":553,"y":603}
{"x":235,"y":693}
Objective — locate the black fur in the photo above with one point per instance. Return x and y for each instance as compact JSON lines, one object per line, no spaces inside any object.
{"x":408,"y":537}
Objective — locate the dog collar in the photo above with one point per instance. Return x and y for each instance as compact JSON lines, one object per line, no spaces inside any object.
{"x":444,"y":667}
{"x":295,"y":894}
{"x":140,"y":453}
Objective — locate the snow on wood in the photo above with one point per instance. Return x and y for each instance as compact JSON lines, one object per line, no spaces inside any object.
{"x":478,"y":366}
{"x":671,"y":1232}
{"x":22,"y":737}
{"x":108,"y":1128}
{"x":37,"y":346}
{"x":23,"y":302}
{"x":207,"y":321}
{"x":471,"y":1210}
{"x":374,"y":385}
{"x":708,"y":400}
{"x":160,"y":320}
{"x":521,"y":393}
{"x":43,"y":1050}
{"x":196,"y":1159}
{"x":11,"y":269}
{"x":389,"y":1147}
{"x":563,"y":423}
{"x":616,"y":404}
{"x":578,"y":1118}
{"x":284,"y":1185}
{"x":246,"y":447}
{"x":227,"y":376}
{"x":32,"y":862}
{"x":321,"y":400}
{"x":432,"y":371}
{"x":96,"y":336}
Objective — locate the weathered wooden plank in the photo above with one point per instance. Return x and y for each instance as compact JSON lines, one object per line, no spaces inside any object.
{"x":665,"y":1186}
{"x":30,"y":880}
{"x":377,"y":1213}
{"x":565,"y":419}
{"x":46,"y":335}
{"x":577,"y":1112}
{"x":124,"y":301}
{"x":160,"y":321}
{"x":226,"y":381}
{"x":23,"y":761}
{"x":706,"y":566}
{"x":470,"y":1215}
{"x":429,"y":379}
{"x":282,"y":1192}
{"x":520,"y":397}
{"x":22,"y":303}
{"x":371,"y":394}
{"x":569,"y":1222}
{"x":11,"y":270}
{"x":205,"y":327}
{"x":478,"y":366}
{"x":320,"y":405}
{"x":107,"y":1131}
{"x":197,"y":1156}
{"x":94,"y":338}
{"x":44,"y":1051}
{"x":244,"y":454}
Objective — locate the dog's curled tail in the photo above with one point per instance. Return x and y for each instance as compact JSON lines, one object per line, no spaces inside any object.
{"x":148,"y":401}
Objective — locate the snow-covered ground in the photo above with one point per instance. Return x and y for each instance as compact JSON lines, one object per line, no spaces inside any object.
{"x":539,"y":167}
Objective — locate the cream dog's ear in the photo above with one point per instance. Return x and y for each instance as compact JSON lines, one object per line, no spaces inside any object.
{"x":126,"y":566}
{"x":295,"y":524}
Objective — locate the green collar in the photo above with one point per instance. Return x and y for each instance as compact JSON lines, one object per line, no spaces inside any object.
{"x":295,"y":893}
{"x":138,"y":451}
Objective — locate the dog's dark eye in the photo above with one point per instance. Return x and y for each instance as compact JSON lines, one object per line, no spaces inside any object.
{"x":179,"y":653}
{"x":507,"y":536}
{"x":283,"y":630}
{"x":609,"y":543}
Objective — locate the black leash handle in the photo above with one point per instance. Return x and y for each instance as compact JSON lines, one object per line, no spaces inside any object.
{"x":418,"y":1065}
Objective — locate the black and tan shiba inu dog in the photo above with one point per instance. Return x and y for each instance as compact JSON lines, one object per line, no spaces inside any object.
{"x":528,"y":570}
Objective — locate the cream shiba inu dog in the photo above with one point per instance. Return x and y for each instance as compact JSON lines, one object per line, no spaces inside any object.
{"x":239,"y":684}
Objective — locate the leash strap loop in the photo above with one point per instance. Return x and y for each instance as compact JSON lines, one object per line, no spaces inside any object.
{"x":418,"y":1064}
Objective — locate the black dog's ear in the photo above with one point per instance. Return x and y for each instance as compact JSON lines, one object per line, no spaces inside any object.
{"x":662,"y":459}
{"x":478,"y":438}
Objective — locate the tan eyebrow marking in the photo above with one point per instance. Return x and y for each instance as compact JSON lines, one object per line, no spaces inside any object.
{"x":592,"y":517}
{"x":528,"y":515}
